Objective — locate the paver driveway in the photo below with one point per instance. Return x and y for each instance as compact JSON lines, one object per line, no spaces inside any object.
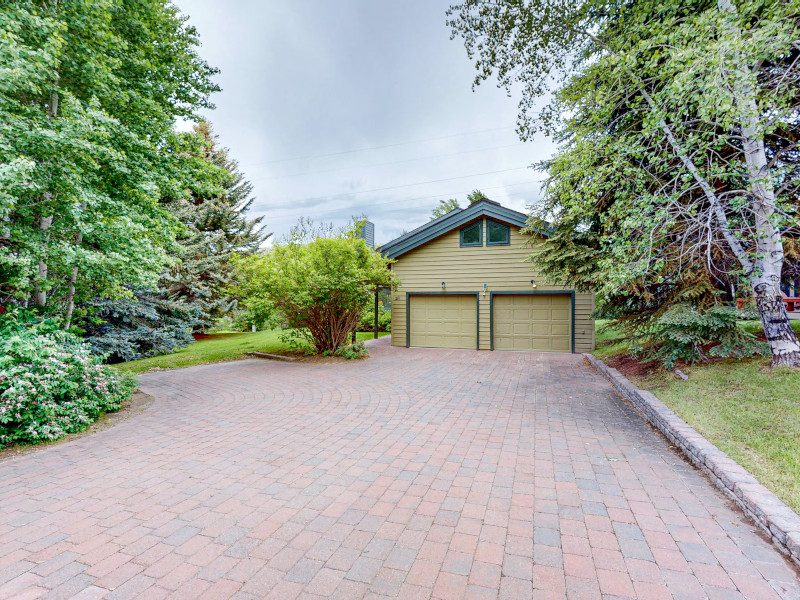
{"x":416,"y":474}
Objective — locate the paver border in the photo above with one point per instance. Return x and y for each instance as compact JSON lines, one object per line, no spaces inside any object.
{"x":769,"y":512}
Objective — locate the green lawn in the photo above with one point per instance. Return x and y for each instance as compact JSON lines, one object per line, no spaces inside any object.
{"x":219,"y":347}
{"x":746,"y":409}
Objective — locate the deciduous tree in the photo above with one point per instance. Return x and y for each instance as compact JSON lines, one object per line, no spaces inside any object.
{"x":444,"y":207}
{"x":319,"y":286}
{"x":678,"y":118}
{"x":89,"y":93}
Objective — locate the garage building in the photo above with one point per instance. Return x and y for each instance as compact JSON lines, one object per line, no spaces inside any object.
{"x":465,"y":283}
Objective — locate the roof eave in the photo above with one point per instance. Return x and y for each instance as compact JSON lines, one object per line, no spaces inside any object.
{"x":452,"y":220}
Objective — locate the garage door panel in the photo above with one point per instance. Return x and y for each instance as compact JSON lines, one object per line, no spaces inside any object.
{"x":560,"y":345}
{"x":540,"y":330}
{"x":443,"y":321}
{"x":539,"y":344}
{"x":560,"y":329}
{"x":561,"y":314}
{"x":520,"y":344}
{"x":504,"y":329}
{"x":538,"y":322}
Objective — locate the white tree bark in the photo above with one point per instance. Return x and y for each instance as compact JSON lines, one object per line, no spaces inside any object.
{"x":72,"y":280}
{"x":40,"y":295}
{"x":765,"y":277}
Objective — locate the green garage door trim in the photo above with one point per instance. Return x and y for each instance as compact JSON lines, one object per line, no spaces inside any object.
{"x":477,"y":313}
{"x":571,"y":294}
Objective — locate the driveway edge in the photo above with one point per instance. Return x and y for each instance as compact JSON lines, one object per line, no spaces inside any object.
{"x":771,"y":514}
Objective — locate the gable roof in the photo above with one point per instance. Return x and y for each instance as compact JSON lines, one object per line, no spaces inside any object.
{"x":452,"y":220}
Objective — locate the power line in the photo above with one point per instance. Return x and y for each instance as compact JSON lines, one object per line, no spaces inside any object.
{"x":285,"y":218}
{"x":433,"y":139}
{"x":395,"y":162}
{"x":397,"y":187}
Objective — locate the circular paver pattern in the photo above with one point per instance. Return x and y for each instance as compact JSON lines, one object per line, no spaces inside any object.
{"x":415,"y":474}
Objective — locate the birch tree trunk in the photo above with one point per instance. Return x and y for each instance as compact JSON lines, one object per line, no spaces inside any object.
{"x":765,"y":278}
{"x":71,"y":292}
{"x":73,"y":279}
{"x":40,"y":295}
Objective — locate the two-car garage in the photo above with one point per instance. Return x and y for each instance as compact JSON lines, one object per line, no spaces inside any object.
{"x":517,"y":321}
{"x":466,"y":280}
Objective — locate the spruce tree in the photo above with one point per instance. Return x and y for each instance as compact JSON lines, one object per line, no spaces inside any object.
{"x":210,"y":197}
{"x":214,"y":212}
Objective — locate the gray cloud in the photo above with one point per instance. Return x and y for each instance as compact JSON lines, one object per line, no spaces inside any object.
{"x":308,"y":84}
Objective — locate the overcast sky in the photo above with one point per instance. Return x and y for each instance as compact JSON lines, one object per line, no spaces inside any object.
{"x":359,"y":107}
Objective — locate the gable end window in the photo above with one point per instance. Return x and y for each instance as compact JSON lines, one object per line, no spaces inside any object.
{"x":472,"y":235}
{"x":497,"y":234}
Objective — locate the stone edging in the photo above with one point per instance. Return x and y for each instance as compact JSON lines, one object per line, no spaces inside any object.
{"x":770,"y":513}
{"x":269,"y":356}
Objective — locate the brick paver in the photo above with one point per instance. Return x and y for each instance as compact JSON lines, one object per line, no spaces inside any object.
{"x":416,"y":474}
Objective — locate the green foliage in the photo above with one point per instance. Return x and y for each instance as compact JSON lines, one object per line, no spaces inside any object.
{"x":318,"y":288}
{"x":89,"y":93}
{"x":685,"y":334}
{"x":138,"y":327}
{"x":210,"y":198}
{"x":475,"y":196}
{"x":367,"y":322}
{"x":650,"y":200}
{"x":451,"y":204}
{"x":444,"y":207}
{"x":51,"y":383}
{"x":353,"y":351}
{"x":296,"y":340}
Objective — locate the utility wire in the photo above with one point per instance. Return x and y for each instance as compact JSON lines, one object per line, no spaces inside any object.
{"x":433,"y":139}
{"x":397,"y":187}
{"x":285,"y":218}
{"x":382,"y":164}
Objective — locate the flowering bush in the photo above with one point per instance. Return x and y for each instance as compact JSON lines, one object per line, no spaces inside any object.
{"x":51,"y":384}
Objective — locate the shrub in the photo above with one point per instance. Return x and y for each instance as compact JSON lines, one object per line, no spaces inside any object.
{"x":684,"y":333}
{"x":138,"y":327}
{"x":319,"y":288}
{"x":367,"y":322}
{"x":353,"y":351}
{"x":51,"y":384}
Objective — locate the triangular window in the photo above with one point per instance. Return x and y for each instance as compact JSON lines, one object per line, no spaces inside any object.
{"x":472,"y":235}
{"x":497,"y":234}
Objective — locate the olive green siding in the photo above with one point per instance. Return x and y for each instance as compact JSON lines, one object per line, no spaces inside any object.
{"x":466,"y":269}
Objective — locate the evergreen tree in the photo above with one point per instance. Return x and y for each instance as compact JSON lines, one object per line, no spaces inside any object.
{"x":209,"y":196}
{"x":214,"y":211}
{"x":145,"y":325}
